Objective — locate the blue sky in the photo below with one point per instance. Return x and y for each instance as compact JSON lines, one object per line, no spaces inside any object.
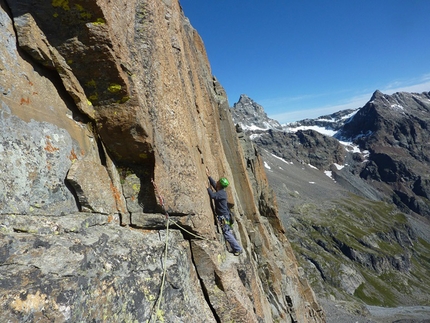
{"x":306,"y":58}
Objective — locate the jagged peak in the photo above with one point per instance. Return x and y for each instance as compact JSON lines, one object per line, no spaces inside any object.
{"x":376,"y":94}
{"x":244,"y":97}
{"x":251,"y":116}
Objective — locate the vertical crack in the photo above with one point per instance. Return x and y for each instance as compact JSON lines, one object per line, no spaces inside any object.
{"x":203,"y":288}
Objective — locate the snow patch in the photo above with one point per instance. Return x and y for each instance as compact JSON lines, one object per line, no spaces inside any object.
{"x":326,"y":120}
{"x":286,"y":162}
{"x":366,"y":153}
{"x":253,"y":136}
{"x":397,"y":107}
{"x":329,"y":174}
{"x":311,"y":166}
{"x":350,"y":146}
{"x":349,"y":115}
{"x":322,"y":130}
{"x":253,"y":127}
{"x":266,"y":165}
{"x":339,"y":167}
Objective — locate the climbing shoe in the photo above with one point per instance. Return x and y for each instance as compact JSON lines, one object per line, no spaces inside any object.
{"x":238,"y":253}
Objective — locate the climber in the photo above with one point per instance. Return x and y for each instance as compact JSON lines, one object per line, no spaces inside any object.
{"x":221,"y":210}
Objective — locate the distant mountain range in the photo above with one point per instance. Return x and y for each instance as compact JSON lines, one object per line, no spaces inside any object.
{"x":250,"y":116}
{"x":353,"y":190}
{"x":390,"y":133}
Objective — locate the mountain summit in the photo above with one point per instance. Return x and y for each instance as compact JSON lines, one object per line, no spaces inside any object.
{"x":251,"y":116}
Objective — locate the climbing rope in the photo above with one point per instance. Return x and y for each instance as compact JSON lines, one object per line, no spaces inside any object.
{"x":158,"y":313}
{"x":163,"y":280}
{"x":190,"y":233}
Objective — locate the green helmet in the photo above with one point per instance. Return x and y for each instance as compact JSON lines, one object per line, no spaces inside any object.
{"x":224,"y":182}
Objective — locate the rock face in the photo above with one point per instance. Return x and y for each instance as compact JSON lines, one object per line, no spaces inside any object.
{"x":110,"y":115}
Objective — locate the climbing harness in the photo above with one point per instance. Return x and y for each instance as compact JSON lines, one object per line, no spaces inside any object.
{"x":223,"y":227}
{"x":225,"y":221}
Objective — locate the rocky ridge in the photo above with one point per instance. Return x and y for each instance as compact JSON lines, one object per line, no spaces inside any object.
{"x":331,"y":122}
{"x":99,"y":102}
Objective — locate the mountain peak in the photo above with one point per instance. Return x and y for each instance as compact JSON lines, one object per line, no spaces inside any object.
{"x":376,"y":94}
{"x":244,"y":97}
{"x":251,"y":116}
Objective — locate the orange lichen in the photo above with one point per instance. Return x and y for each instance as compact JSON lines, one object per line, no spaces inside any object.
{"x":24,"y":101}
{"x":49,"y":147}
{"x":72,"y":155}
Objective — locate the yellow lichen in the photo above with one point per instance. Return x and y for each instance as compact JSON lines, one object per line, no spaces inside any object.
{"x":86,"y":15}
{"x":221,"y":258}
{"x":113,"y":88}
{"x":91,"y":83}
{"x":61,"y":4}
{"x":148,"y":296}
{"x":93,"y":97}
{"x":99,"y":22}
{"x":125,"y":99}
{"x":160,"y":315}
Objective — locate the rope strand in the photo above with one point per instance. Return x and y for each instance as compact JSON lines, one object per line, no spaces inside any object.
{"x":158,"y":312}
{"x":182,"y":228}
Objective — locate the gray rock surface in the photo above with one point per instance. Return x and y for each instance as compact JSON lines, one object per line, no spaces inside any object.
{"x":35,"y":158}
{"x":80,"y":267}
{"x":93,"y":187}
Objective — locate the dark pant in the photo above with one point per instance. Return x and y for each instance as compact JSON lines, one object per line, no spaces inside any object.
{"x":230,"y":238}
